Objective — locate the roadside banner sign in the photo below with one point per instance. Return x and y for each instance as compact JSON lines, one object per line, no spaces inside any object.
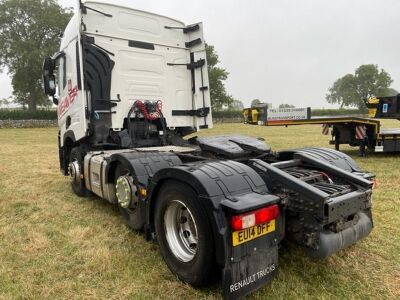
{"x":287,"y":114}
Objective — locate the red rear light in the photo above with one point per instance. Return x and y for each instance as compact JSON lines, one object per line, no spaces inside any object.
{"x":256,"y":217}
{"x":267,"y":214}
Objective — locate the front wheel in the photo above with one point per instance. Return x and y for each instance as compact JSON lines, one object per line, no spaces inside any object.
{"x":184,"y":233}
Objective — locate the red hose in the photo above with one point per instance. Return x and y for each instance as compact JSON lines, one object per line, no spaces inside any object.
{"x":149,"y":116}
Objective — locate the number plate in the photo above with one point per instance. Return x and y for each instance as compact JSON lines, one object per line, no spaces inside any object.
{"x":248,"y":234}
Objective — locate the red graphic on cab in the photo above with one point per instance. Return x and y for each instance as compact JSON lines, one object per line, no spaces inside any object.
{"x":68,"y":100}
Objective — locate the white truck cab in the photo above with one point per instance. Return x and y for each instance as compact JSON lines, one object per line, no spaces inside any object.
{"x":115,"y":59}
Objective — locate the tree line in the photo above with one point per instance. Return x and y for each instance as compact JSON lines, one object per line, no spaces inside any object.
{"x":29,"y":32}
{"x":354,"y":90}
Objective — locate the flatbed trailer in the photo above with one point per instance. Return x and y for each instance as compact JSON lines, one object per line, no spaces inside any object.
{"x":356,"y":131}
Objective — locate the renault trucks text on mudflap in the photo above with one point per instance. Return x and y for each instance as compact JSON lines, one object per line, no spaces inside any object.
{"x":129,"y":86}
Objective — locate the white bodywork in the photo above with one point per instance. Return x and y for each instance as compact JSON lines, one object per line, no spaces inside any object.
{"x":138,"y":74}
{"x":71,"y":105}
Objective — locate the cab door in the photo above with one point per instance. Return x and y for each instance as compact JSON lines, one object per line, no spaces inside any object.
{"x":72,"y":103}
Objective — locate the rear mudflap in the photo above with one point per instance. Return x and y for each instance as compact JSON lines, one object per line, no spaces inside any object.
{"x":250,"y":265}
{"x":245,"y":276}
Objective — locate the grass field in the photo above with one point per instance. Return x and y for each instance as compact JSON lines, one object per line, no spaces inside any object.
{"x":54,"y":245}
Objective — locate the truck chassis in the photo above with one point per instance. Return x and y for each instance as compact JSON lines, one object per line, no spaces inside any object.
{"x":323,"y":201}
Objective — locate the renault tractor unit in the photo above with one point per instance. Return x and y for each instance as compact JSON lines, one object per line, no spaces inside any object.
{"x":129,"y":87}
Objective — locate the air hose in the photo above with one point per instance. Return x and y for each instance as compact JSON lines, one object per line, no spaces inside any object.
{"x":149,"y":116}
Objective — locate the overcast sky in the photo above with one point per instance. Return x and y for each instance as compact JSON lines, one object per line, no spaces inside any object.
{"x":287,"y":51}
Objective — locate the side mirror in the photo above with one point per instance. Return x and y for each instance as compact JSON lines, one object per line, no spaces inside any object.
{"x":49,"y":82}
{"x":48,"y":66}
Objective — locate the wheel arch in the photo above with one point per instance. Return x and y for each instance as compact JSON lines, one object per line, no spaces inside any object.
{"x":68,"y":142}
{"x":334,"y":157}
{"x":221,"y":186}
{"x":112,"y":168}
{"x":69,"y":138}
{"x":180,"y":175}
{"x":175,"y":174}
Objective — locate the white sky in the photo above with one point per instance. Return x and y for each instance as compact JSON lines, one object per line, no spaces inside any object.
{"x":287,"y":51}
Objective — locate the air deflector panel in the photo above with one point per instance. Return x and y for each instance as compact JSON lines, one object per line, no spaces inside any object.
{"x":97,"y":72}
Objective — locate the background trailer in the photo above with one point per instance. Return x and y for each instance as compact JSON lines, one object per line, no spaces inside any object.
{"x":362,"y":132}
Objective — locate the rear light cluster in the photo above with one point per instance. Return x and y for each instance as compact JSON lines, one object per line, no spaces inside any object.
{"x":255,"y":217}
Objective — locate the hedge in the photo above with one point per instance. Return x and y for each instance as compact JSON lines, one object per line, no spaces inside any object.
{"x":227,"y":114}
{"x":19,"y":114}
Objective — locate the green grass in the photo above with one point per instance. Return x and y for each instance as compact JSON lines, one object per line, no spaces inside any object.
{"x":54,"y":245}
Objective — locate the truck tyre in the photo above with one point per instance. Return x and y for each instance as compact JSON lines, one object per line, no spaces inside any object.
{"x":133,"y":214}
{"x":184,"y":233}
{"x":75,"y":171}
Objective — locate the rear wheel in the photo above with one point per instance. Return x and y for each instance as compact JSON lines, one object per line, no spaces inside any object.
{"x":129,"y":204}
{"x":184,"y":234}
{"x":75,"y":170}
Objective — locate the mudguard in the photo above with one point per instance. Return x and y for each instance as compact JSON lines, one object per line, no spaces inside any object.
{"x":143,"y":165}
{"x":334,"y":157}
{"x":226,"y":188}
{"x":231,"y":146}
